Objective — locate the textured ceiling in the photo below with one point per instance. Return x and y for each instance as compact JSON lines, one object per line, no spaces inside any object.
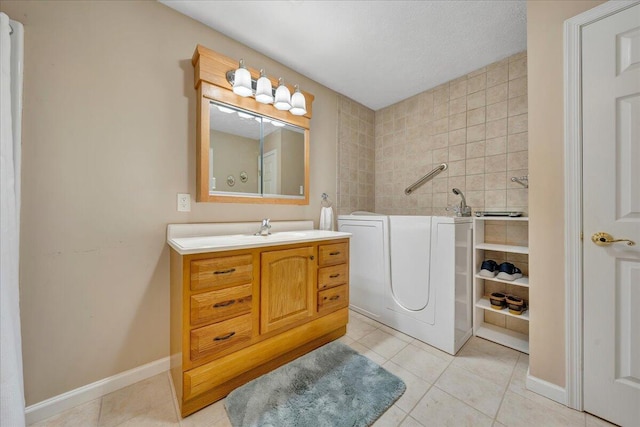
{"x":375,"y":52}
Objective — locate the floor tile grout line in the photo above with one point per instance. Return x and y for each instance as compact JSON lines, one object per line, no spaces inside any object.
{"x":431,"y":384}
{"x":505,"y":387}
{"x":386,"y":359}
{"x":504,"y":394}
{"x":100,"y":411}
{"x":464,"y":403}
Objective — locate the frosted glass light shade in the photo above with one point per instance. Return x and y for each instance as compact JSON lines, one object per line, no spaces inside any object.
{"x":264,"y":90}
{"x":298,"y":103}
{"x":242,"y":81}
{"x":283,"y":97}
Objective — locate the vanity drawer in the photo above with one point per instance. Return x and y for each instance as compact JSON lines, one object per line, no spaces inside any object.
{"x":232,"y":333}
{"x":221,"y":272}
{"x":333,"y":298}
{"x":335,"y":275}
{"x":220,"y":305}
{"x":332,"y":254}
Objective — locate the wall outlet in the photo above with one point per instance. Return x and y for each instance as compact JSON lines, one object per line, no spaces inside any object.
{"x":184,"y":202}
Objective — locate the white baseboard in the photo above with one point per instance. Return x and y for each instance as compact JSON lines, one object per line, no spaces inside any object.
{"x":60,"y":403}
{"x":546,"y":389}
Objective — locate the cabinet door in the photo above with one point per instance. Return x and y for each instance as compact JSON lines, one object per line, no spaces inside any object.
{"x":287,"y":287}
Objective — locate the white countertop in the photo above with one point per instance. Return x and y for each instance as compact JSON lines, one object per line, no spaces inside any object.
{"x":186,"y":243}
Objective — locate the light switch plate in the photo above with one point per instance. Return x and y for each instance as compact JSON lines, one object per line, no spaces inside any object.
{"x":184,"y":202}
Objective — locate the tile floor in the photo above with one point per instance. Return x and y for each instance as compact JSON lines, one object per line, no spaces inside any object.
{"x":482,"y":386}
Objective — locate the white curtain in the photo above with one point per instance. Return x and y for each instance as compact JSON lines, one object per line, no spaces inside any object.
{"x":11,"y":383}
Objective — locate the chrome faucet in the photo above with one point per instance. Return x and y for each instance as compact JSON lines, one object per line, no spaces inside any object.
{"x":265,"y":228}
{"x":463,"y":210}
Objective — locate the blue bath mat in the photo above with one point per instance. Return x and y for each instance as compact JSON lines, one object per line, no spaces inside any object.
{"x":332,"y":386}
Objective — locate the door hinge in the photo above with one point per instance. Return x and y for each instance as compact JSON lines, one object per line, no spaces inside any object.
{"x":582,"y":236}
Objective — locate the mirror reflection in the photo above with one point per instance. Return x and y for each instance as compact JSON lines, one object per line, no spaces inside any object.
{"x":252,"y":155}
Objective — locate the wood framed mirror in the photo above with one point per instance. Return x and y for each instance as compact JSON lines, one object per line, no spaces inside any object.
{"x":247,"y":152}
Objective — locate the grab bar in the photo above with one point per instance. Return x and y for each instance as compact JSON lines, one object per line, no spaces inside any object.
{"x":427,"y":177}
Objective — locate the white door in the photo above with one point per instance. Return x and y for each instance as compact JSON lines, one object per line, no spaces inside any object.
{"x":270,"y":173}
{"x":611,"y":204}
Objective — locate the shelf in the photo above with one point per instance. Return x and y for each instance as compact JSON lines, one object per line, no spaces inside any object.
{"x":503,"y":248}
{"x":503,"y":336}
{"x":486,"y":305}
{"x":523,"y":281}
{"x":501,"y":218}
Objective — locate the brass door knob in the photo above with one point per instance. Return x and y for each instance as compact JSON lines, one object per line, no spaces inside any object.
{"x":605,"y":239}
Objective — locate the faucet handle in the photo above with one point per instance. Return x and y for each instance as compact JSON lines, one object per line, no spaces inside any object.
{"x":265,"y":222}
{"x":455,"y":208}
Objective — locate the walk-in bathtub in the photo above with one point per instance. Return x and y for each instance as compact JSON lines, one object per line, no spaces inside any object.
{"x":413,"y":273}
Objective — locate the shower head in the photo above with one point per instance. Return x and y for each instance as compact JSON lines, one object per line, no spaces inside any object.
{"x":457,"y":192}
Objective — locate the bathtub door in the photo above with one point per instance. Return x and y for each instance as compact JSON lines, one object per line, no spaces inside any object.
{"x":368,"y":268}
{"x":412,"y":292}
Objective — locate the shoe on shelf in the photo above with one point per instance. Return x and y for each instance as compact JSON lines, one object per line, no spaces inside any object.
{"x":516,"y":305}
{"x":498,"y":300}
{"x":489,"y":268}
{"x":508,"y":271}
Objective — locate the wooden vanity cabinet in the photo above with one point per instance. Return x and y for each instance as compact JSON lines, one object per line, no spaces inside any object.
{"x":236,"y":315}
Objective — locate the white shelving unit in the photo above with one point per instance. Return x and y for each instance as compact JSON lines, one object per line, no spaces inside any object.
{"x":501,"y":335}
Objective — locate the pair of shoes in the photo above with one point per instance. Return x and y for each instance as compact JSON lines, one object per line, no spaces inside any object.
{"x":504,"y":271}
{"x":515,"y":304}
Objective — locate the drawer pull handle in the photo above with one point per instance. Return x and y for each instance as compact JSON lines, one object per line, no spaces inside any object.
{"x":334,"y":253}
{"x":333,"y":298}
{"x":224,"y":337}
{"x":231,"y":270}
{"x":224,"y":303}
{"x":333,"y":276}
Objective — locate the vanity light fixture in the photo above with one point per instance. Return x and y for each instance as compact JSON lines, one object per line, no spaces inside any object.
{"x":242,"y":81}
{"x":283,"y":97}
{"x":225,"y":109}
{"x":263,"y":91}
{"x":298,"y":104}
{"x":277,"y":124}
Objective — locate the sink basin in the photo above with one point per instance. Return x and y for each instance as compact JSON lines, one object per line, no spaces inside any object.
{"x":285,"y":234}
{"x":272,"y":236}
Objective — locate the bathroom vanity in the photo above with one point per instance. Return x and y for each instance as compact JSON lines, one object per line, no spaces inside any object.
{"x":242,"y":305}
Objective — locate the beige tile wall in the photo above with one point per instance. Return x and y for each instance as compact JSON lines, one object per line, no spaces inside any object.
{"x":477,"y":124}
{"x":356,"y":157}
